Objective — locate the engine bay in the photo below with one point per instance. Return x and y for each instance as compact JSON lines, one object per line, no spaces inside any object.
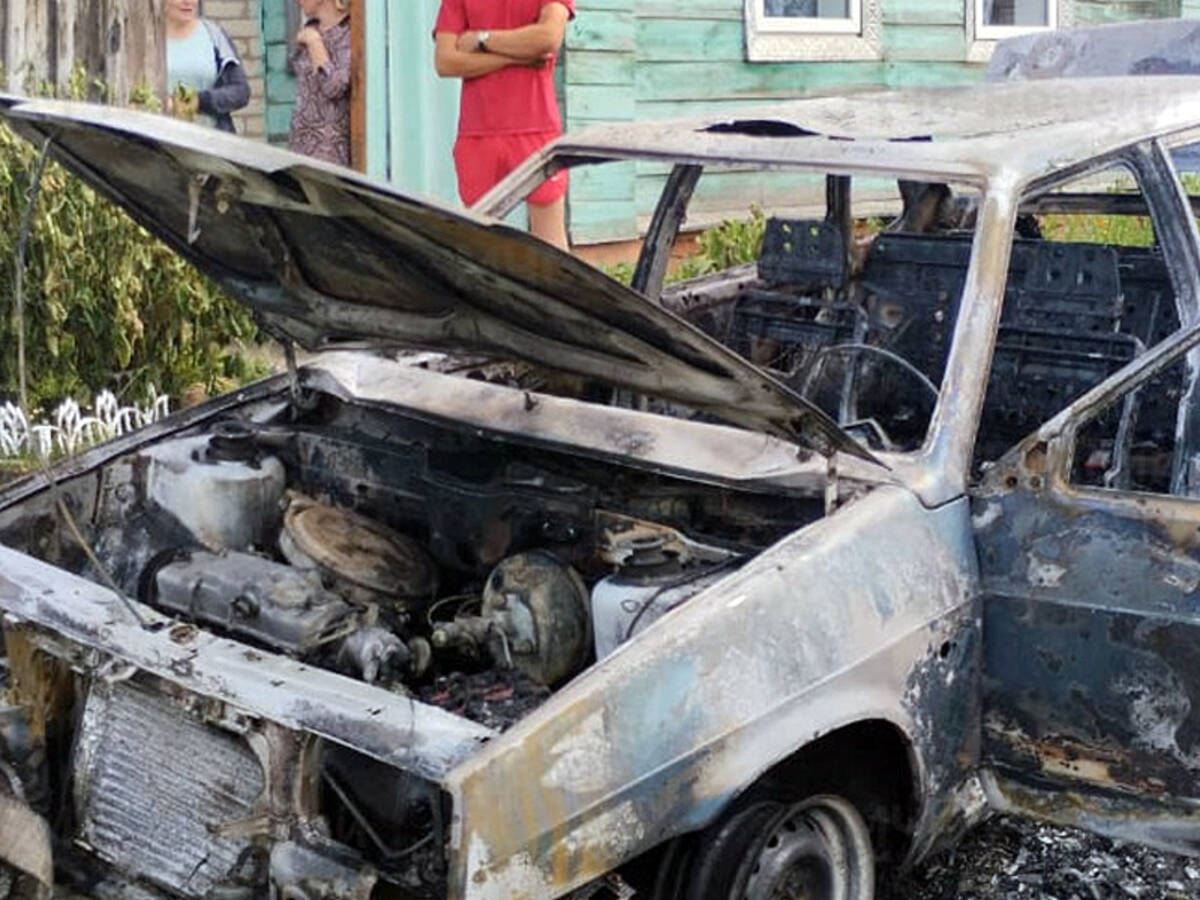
{"x":470,"y":573}
{"x":401,"y":553}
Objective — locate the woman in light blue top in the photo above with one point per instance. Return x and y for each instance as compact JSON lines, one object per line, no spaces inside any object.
{"x":201,"y":58}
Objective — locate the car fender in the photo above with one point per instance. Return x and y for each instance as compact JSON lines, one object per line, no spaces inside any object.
{"x":847,"y":619}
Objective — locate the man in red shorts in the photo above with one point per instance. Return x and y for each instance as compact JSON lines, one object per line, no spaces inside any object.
{"x":504,"y":51}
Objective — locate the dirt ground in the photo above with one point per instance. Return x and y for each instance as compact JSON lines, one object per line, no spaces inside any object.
{"x":1011,"y":858}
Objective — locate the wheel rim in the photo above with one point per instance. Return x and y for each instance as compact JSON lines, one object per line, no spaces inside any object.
{"x":819,"y":849}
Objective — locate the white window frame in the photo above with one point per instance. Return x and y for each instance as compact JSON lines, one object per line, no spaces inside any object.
{"x":810,"y":24}
{"x":792,"y":38}
{"x":1000,"y":32}
{"x":982,"y":38}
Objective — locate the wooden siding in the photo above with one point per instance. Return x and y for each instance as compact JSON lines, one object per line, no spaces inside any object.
{"x":646,"y":59}
{"x":119,"y":41}
{"x":280,"y":22}
{"x":1101,"y":12}
{"x":412,"y":115}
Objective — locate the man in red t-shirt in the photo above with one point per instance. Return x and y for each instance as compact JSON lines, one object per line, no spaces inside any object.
{"x":504,"y":51}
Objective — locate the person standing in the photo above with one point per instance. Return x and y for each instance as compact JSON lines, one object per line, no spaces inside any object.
{"x":505,"y":52}
{"x":321,"y":62}
{"x":205,"y":76}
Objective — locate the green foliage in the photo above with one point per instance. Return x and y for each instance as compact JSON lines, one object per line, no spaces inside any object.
{"x":106,"y":305}
{"x":1121,"y":231}
{"x":732,"y":243}
{"x":622,"y":271}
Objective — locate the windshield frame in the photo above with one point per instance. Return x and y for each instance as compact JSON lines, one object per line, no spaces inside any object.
{"x":938,"y":469}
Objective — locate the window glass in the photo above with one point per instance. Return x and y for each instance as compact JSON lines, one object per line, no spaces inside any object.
{"x":1019,"y":13}
{"x":809,"y":9}
{"x":814,"y":30}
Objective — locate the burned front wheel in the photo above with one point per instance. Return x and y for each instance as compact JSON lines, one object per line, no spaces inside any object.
{"x":816,"y":849}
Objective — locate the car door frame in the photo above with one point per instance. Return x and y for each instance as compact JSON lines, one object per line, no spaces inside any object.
{"x":1091,"y":611}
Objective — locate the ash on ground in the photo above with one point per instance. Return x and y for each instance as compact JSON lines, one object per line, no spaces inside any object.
{"x":1009,"y":857}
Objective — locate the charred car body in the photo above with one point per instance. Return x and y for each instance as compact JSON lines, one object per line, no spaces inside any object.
{"x":606,"y":604}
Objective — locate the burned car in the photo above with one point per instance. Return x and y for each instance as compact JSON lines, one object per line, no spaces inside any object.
{"x":530,"y":584}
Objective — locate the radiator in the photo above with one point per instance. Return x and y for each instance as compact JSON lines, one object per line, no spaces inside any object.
{"x":153,"y":786}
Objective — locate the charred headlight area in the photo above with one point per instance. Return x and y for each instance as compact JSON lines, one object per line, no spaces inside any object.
{"x":391,"y":817}
{"x":154,"y":791}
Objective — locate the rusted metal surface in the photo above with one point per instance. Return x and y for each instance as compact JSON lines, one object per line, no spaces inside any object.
{"x":375,"y":722}
{"x":709,"y":452}
{"x":1165,"y":824}
{"x":1090,"y":672}
{"x":25,"y":839}
{"x":379,"y":564}
{"x":659,"y":736}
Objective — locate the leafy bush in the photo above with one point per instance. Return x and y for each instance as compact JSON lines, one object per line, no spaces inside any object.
{"x":732,"y":243}
{"x":1121,"y":230}
{"x":106,"y":304}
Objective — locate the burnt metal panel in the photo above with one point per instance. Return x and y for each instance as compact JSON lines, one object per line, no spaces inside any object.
{"x":1092,"y":640}
{"x":658,"y":737}
{"x":789,"y":332}
{"x":1167,"y":47}
{"x":328,"y":257}
{"x":803,"y":252}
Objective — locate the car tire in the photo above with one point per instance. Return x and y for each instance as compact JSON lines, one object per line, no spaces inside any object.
{"x":818,"y":848}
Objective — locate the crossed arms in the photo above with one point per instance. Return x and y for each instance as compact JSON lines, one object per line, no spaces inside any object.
{"x":458,"y":56}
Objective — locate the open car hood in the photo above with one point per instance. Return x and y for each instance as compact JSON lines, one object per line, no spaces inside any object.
{"x":326,"y":257}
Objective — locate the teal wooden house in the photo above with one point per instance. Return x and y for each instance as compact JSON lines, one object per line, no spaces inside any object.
{"x":641,"y":59}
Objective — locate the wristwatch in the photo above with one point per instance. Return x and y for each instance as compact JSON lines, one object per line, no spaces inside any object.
{"x":481,"y":39}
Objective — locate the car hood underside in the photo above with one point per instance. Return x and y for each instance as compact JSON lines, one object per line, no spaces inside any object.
{"x":325,"y":257}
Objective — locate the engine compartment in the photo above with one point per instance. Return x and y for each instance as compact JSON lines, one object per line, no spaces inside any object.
{"x":401,"y":553}
{"x":467,"y":572}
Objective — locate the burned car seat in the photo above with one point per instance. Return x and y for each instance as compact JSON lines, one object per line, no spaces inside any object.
{"x":1068,"y":322}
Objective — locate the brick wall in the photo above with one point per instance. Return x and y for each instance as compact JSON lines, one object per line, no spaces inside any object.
{"x":243,"y":20}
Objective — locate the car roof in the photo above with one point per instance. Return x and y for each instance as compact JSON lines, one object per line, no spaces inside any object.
{"x":1025,"y":129}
